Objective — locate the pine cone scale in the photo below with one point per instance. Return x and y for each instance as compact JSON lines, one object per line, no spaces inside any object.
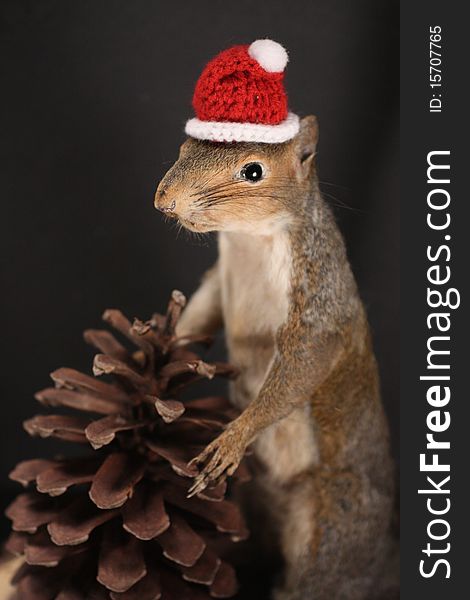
{"x":224,"y":515}
{"x":65,"y":427}
{"x":114,"y":481}
{"x":72,"y":379}
{"x":41,"y":551}
{"x":107,"y":365}
{"x":75,"y":523}
{"x":144,"y":515}
{"x":204,"y":570}
{"x":225,"y":583}
{"x":27,"y":471}
{"x":169,"y":410}
{"x":180,"y":543}
{"x":121,"y":562}
{"x":103,"y":431}
{"x":16,"y":543}
{"x":78,"y":401}
{"x":30,"y":510}
{"x":148,"y":588}
{"x":106,"y":343}
{"x":176,"y":456}
{"x":56,"y":479}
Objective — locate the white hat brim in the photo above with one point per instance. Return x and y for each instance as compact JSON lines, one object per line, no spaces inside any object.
{"x":216,"y":131}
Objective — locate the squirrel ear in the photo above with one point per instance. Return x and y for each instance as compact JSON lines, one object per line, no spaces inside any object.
{"x":306,"y":144}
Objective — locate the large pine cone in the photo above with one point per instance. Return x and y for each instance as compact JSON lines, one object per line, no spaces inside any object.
{"x":116,"y":522}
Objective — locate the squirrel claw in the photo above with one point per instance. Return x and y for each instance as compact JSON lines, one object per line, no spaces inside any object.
{"x":225,"y":454}
{"x":199,"y":485}
{"x":193,"y":462}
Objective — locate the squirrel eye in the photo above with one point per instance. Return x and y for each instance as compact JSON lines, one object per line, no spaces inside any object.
{"x":252,"y":172}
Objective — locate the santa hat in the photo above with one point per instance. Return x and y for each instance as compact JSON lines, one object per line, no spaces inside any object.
{"x":240,"y":97}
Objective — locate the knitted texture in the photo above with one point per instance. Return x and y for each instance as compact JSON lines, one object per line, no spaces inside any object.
{"x":244,"y":132}
{"x":234,"y":87}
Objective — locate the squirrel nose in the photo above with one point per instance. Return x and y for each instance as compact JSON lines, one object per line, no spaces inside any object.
{"x":162,"y":205}
{"x":167,"y":209}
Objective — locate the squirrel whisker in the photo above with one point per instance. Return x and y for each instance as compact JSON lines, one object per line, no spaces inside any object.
{"x":218,"y":187}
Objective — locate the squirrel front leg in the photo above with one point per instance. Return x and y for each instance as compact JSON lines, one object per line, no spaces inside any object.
{"x":203,"y":314}
{"x":302,"y":362}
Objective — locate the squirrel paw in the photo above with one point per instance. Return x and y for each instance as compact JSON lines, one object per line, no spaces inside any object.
{"x":219,"y":459}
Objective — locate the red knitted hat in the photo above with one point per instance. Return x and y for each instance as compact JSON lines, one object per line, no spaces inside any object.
{"x":240,"y":97}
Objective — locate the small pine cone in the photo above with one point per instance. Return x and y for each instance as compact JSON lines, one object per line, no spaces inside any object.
{"x":116,"y":523}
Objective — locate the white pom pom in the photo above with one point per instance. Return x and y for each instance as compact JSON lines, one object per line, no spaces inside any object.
{"x":270,"y":55}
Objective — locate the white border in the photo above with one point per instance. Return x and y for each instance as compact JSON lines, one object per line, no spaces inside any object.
{"x":215,"y":131}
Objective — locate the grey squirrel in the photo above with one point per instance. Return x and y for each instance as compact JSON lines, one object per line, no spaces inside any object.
{"x":295,"y":326}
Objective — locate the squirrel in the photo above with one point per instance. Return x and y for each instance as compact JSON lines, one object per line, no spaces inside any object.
{"x":296,"y":328}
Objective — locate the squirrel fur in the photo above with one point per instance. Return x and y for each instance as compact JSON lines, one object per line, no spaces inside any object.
{"x":295,"y":326}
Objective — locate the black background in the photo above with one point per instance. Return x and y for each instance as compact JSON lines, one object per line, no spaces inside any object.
{"x":94,"y":98}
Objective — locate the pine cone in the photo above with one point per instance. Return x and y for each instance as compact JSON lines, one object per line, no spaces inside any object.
{"x":116,"y":523}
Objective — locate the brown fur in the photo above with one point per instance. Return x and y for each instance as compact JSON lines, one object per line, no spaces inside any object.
{"x":309,"y":387}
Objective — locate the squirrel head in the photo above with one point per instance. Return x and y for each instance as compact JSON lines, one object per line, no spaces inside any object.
{"x":243,"y":186}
